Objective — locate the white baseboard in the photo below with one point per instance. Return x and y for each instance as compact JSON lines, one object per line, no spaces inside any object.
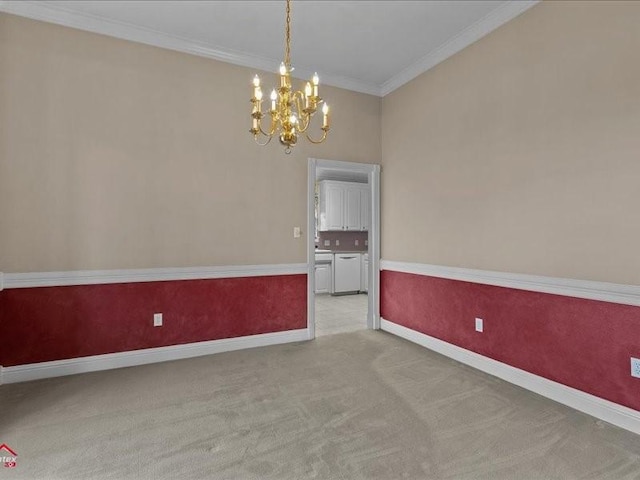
{"x":618,"y":415}
{"x":94,"y":363}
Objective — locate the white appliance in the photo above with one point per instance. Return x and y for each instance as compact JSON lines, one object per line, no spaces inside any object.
{"x":346,"y":272}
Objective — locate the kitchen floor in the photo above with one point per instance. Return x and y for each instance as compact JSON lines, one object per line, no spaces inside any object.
{"x":340,"y":314}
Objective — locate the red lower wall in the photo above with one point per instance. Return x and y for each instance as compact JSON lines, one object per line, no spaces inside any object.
{"x":585,"y":344}
{"x":54,"y":323}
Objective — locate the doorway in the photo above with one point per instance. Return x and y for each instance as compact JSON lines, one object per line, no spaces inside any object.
{"x":344,"y":298}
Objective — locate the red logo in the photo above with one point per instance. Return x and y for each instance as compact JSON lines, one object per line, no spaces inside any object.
{"x":7,"y":456}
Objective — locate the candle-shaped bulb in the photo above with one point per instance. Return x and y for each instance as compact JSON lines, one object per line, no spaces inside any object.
{"x":315,"y":79}
{"x":325,"y":119}
{"x":325,"y":109}
{"x":283,"y":69}
{"x":307,"y":90}
{"x":293,"y":119}
{"x":274,"y":97}
{"x":256,"y":86}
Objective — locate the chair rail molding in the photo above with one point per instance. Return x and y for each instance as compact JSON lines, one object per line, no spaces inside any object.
{"x":587,"y":289}
{"x":99,"y":277}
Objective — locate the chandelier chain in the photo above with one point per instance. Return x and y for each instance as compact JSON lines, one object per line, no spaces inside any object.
{"x":287,"y":51}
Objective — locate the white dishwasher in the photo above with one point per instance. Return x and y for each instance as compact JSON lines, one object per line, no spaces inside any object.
{"x":346,"y":272}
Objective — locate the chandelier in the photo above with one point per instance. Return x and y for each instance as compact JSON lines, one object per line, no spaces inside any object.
{"x":291,"y":111}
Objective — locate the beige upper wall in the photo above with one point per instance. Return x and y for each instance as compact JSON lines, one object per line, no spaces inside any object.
{"x":120,"y":155}
{"x":522,"y":152}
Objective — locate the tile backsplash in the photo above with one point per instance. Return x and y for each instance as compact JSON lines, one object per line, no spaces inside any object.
{"x":347,"y":240}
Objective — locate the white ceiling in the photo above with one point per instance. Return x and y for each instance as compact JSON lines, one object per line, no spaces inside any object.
{"x":367,"y":46}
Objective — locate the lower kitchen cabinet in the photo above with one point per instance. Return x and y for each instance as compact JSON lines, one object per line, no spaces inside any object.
{"x":364,"y":277}
{"x":323,"y":278}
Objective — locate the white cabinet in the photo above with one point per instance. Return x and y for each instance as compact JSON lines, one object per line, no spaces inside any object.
{"x":332,"y":198}
{"x":352,"y":209}
{"x":323,"y":271}
{"x":365,"y":199}
{"x":343,"y":206}
{"x":346,"y":272}
{"x":323,"y":278}
{"x":364,"y":276}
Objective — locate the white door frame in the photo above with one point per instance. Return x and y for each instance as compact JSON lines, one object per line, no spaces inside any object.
{"x":373,"y":173}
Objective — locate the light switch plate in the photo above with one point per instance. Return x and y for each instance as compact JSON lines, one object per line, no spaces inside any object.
{"x":296,"y":232}
{"x":337,"y":243}
{"x":327,"y":243}
{"x":157,"y":319}
{"x":479,"y":325}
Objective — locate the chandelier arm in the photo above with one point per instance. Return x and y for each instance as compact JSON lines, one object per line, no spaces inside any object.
{"x":269,"y":137}
{"x":298,"y":96}
{"x":263,"y":132}
{"x":304,"y":118}
{"x":324,"y":136}
{"x":272,"y":129}
{"x":305,"y":124}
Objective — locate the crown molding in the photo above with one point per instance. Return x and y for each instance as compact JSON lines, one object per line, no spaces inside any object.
{"x":469,"y":35}
{"x":40,"y":10}
{"x":587,"y":289}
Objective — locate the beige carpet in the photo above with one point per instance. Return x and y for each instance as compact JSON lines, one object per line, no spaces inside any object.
{"x":348,"y":406}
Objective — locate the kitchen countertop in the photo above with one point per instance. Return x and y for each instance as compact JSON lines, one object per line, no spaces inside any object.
{"x":341,"y":251}
{"x":325,"y":260}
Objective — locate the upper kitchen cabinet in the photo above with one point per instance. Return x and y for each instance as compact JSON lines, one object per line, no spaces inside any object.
{"x":352,"y":208}
{"x":365,"y":200}
{"x":331,"y":206}
{"x":343,"y":206}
